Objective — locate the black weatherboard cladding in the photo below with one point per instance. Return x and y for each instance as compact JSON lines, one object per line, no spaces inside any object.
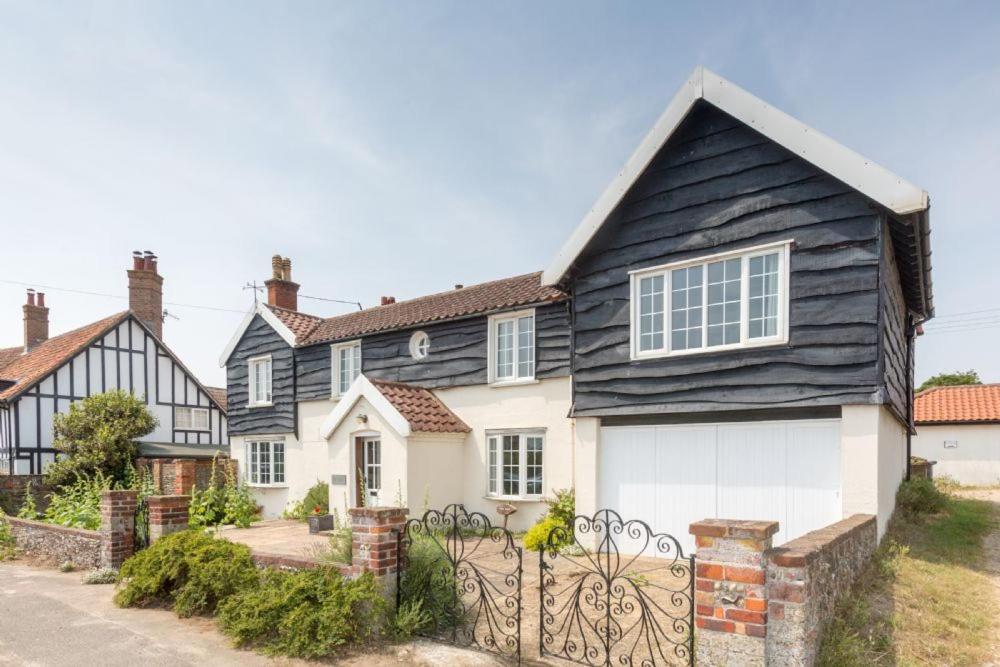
{"x":716,"y":186}
{"x":457,"y":354}
{"x":258,"y":340}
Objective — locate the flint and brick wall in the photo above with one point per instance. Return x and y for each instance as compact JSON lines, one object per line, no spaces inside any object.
{"x":179,"y":476}
{"x":806,"y":577}
{"x":58,"y":543}
{"x":758,"y":605}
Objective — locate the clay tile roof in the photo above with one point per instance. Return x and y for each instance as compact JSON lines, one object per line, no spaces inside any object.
{"x":495,"y":295}
{"x":51,"y":354}
{"x":218,"y":395}
{"x":963,"y":403}
{"x":425,"y":411}
{"x":7,"y":355}
{"x":300,"y":324}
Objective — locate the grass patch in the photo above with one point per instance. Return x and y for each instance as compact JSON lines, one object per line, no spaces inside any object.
{"x":924,"y":600}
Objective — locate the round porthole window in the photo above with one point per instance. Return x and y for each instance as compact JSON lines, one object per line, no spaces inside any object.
{"x":420,"y":345}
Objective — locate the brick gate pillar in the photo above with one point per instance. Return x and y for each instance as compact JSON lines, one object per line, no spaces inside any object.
{"x":730,"y":592}
{"x":167,"y":514}
{"x":375,"y":543}
{"x":117,"y":527}
{"x":184,"y":476}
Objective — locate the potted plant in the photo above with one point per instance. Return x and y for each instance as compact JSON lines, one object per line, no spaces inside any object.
{"x":318,"y":520}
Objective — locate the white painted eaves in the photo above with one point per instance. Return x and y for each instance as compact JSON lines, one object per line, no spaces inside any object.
{"x":869,"y":178}
{"x":269,"y":317}
{"x":362,"y":387}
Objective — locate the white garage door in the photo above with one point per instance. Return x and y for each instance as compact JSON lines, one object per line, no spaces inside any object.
{"x":671,"y":476}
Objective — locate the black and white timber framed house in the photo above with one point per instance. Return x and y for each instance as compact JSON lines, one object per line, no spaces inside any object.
{"x":729,"y":332}
{"x":44,"y":376}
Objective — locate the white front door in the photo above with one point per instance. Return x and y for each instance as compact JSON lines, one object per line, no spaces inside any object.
{"x":371,"y":466}
{"x":671,"y":476}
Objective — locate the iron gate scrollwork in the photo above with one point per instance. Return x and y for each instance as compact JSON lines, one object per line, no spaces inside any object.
{"x":614,"y":592}
{"x":140,"y":533}
{"x":466,"y":573}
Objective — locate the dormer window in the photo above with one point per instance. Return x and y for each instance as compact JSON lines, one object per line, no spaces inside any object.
{"x":346,"y":365}
{"x":512,"y":348}
{"x":725,"y":301}
{"x":259,"y":372}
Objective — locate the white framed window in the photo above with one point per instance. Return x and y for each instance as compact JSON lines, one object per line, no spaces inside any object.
{"x":259,"y":373}
{"x":420,"y":345}
{"x":372,"y":469}
{"x":514,"y":464}
{"x":190,"y":419}
{"x":719,"y":302}
{"x":346,"y":365}
{"x":266,"y":462}
{"x":512,"y":347}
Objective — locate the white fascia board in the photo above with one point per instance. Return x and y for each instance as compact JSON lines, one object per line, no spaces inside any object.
{"x":362,"y":387}
{"x":269,"y":317}
{"x":872,"y":180}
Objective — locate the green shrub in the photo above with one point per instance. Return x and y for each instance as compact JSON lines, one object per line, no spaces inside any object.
{"x":430,"y":577}
{"x":316,"y":501}
{"x":305,"y":614}
{"x":411,"y":619}
{"x":563,"y":507}
{"x":29,"y":510}
{"x":99,"y":435}
{"x":190,"y":570}
{"x":78,"y":505}
{"x":230,"y":504}
{"x":920,"y":496}
{"x":8,"y":546}
{"x":537,"y":536}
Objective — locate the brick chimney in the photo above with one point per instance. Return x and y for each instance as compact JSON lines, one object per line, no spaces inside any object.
{"x":388,"y":300}
{"x":145,"y":291}
{"x":281,"y":291}
{"x":36,"y":320}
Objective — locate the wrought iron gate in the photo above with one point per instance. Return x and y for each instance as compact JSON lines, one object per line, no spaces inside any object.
{"x":466,"y":573}
{"x":615,"y":592}
{"x":141,"y":527}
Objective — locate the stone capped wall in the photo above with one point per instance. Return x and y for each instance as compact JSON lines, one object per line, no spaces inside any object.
{"x":805,"y":579}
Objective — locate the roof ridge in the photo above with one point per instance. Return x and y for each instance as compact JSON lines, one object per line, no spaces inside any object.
{"x":436,"y":294}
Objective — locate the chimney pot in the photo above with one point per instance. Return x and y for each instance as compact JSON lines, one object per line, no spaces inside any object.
{"x":388,"y":300}
{"x":281,"y":291}
{"x":459,"y":285}
{"x":36,"y":320}
{"x":145,"y":291}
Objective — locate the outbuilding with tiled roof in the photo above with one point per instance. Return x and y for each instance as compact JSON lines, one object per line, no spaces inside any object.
{"x":959,"y":428}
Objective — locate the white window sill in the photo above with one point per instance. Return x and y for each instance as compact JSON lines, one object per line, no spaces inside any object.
{"x":513,"y":383}
{"x":267,"y":486}
{"x":516,"y":499}
{"x":260,"y":405}
{"x":659,"y":354}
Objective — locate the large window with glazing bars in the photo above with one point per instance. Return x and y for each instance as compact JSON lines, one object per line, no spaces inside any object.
{"x":512,"y":347}
{"x":514,"y":464}
{"x":718,"y":302}
{"x":266,"y":463}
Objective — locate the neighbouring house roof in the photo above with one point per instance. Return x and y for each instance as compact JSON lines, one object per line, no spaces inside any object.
{"x":299,"y":329}
{"x":971,"y":403}
{"x":218,"y":394}
{"x":421,"y":408}
{"x":905,"y":200}
{"x":406,"y":408}
{"x":47,"y":356}
{"x":30,"y":368}
{"x":7,"y":355}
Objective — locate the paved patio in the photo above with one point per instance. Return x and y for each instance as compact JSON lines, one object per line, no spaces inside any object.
{"x":280,"y":537}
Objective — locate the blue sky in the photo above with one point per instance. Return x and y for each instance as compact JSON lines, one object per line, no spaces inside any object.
{"x":397,"y":149}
